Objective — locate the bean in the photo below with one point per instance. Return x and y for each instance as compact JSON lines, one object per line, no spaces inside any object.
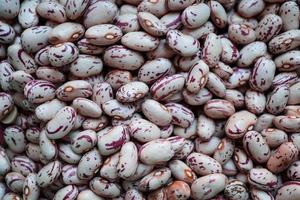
{"x":155,"y":179}
{"x":208,"y":186}
{"x":236,"y":190}
{"x":58,"y":13}
{"x":99,"y":13}
{"x":120,"y":57}
{"x":195,"y":16}
{"x":182,"y":44}
{"x":104,"y":188}
{"x":162,"y":148}
{"x":285,"y":153}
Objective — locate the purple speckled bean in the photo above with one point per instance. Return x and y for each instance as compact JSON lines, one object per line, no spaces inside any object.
{"x":183,"y":44}
{"x":21,"y":60}
{"x":250,"y":8}
{"x":7,"y":33}
{"x":181,"y":115}
{"x":167,"y":86}
{"x":112,"y":140}
{"x":256,"y":146}
{"x":151,"y":24}
{"x":131,"y":92}
{"x":284,"y":42}
{"x":239,"y":123}
{"x":128,"y":161}
{"x":103,"y":34}
{"x":52,"y":10}
{"x":89,"y":164}
{"x":284,"y":193}
{"x":140,"y":41}
{"x":195,"y":16}
{"x":99,"y":12}
{"x":236,"y":190}
{"x":15,"y":181}
{"x":156,"y":152}
{"x":31,"y":191}
{"x":284,"y":155}
{"x":104,"y":188}
{"x":39,"y":91}
{"x":289,"y":13}
{"x":62,"y":54}
{"x":48,"y":174}
{"x":62,"y":123}
{"x":69,"y":192}
{"x":155,"y":179}
{"x":75,"y":8}
{"x":208,"y":186}
{"x":120,"y":57}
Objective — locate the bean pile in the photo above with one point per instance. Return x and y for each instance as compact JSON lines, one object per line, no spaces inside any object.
{"x":150,"y":99}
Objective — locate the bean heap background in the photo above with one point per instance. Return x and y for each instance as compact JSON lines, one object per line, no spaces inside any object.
{"x":152,"y":99}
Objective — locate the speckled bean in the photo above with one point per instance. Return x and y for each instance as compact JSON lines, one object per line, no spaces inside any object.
{"x":140,"y":41}
{"x":21,"y":60}
{"x":219,"y":109}
{"x":118,"y":110}
{"x":113,"y":140}
{"x":205,"y":127}
{"x":242,"y":161}
{"x":256,"y":146}
{"x":288,"y":61}
{"x":73,"y":89}
{"x":62,"y":123}
{"x":289,"y":13}
{"x":48,"y":174}
{"x":241,"y":34}
{"x":284,"y":155}
{"x":155,"y":179}
{"x":167,"y":86}
{"x":208,"y":186}
{"x":31,"y":191}
{"x":250,"y":52}
{"x":250,"y":8}
{"x":48,"y":148}
{"x":197,"y":99}
{"x":239,"y":123}
{"x":14,"y":137}
{"x":268,"y":27}
{"x":277,"y":99}
{"x":215,"y":85}
{"x":103,"y":188}
{"x":183,"y":44}
{"x":181,"y":171}
{"x":10,"y":9}
{"x":151,"y":24}
{"x":15,"y":181}
{"x":156,"y":152}
{"x":181,"y":115}
{"x":203,"y":164}
{"x":120,"y":57}
{"x":7,"y":33}
{"x":195,"y":16}
{"x":99,"y":12}
{"x":263,"y":74}
{"x":212,"y":50}
{"x":274,"y":137}
{"x":103,"y":34}
{"x":284,"y":42}
{"x":52,"y":10}
{"x":284,"y":193}
{"x":128,"y":160}
{"x":62,"y":54}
